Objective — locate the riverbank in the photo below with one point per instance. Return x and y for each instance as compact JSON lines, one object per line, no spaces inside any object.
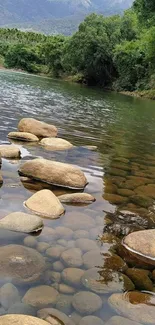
{"x":150,"y":93}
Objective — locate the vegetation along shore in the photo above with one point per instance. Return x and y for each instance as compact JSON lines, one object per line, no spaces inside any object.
{"x":114,"y":52}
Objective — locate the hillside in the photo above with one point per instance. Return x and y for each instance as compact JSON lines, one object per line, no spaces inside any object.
{"x":55,"y":16}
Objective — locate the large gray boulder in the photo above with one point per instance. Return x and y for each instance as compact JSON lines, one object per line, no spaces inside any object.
{"x":53,"y":172}
{"x":38,"y":128}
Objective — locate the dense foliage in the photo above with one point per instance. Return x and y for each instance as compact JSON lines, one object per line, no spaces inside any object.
{"x":115,"y":52}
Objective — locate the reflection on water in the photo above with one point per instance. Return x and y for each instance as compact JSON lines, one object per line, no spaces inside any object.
{"x":85,"y":261}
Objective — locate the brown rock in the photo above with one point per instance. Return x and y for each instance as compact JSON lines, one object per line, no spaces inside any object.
{"x":83,"y":198}
{"x":23,"y":136}
{"x":140,"y":278}
{"x":86,"y":302}
{"x":115,"y":199}
{"x":54,"y":317}
{"x":21,"y":320}
{"x":72,"y":257}
{"x":20,"y":264}
{"x":40,"y":296}
{"x":136,"y":306}
{"x":9,"y":151}
{"x":142,"y":245}
{"x":72,"y":276}
{"x":55,"y":173}
{"x":56,"y":144}
{"x":46,"y":204}
{"x":40,"y":129}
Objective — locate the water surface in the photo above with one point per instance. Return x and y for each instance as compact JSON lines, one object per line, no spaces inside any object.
{"x":123,"y":129}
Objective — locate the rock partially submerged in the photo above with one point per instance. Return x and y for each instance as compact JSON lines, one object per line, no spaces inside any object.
{"x":56,"y":144}
{"x":21,"y":320}
{"x":22,"y":222}
{"x":135,"y":305}
{"x":118,"y":320}
{"x":54,"y":316}
{"x":46,"y":204}
{"x":83,"y":198}
{"x":9,"y":151}
{"x":86,"y":302}
{"x":142,"y":245}
{"x":23,"y":136}
{"x":55,"y":173}
{"x":38,"y":128}
{"x":20,"y":264}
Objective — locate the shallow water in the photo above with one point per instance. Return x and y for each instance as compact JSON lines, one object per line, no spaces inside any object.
{"x":123,"y":129}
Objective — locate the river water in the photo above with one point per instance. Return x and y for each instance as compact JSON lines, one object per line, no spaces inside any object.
{"x":123,"y":129}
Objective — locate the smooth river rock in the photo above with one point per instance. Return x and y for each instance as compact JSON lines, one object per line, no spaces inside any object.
{"x":54,"y":316}
{"x":56,"y":144}
{"x":45,"y":204}
{"x":20,"y":264}
{"x":72,"y":276}
{"x":72,"y":257}
{"x":40,"y":129}
{"x":103,"y":281}
{"x":22,"y":222}
{"x":21,"y":320}
{"x":41,"y":296}
{"x":83,"y":198}
{"x":55,"y":173}
{"x":86,"y":302}
{"x":9,"y":151}
{"x":142,"y":245}
{"x":76,"y":221}
{"x":135,"y":305}
{"x":9,"y":295}
{"x":23,"y":136}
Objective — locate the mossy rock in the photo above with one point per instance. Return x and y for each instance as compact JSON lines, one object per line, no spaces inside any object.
{"x":114,"y":198}
{"x":146,"y":190}
{"x":125,"y":192}
{"x":117,"y":172}
{"x":140,"y":278}
{"x":120,"y":166}
{"x":142,"y":200}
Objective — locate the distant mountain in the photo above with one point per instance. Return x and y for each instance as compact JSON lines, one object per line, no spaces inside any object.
{"x":37,"y":14}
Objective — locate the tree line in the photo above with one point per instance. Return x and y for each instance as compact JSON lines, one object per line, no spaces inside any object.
{"x":116,"y":52}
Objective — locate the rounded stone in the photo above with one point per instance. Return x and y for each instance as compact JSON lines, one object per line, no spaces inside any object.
{"x":38,"y":128}
{"x":62,"y":242}
{"x":83,"y":198}
{"x":137,"y":306}
{"x":86,"y":244}
{"x":115,"y":263}
{"x":72,"y":257}
{"x":80,"y":234}
{"x":93,"y":258}
{"x":64,"y":288}
{"x":86,"y":302}
{"x":58,"y":266}
{"x":9,"y":151}
{"x":64,"y":303}
{"x":22,"y":222}
{"x":41,"y":296}
{"x":20,"y":264}
{"x":103,"y":281}
{"x":23,"y":136}
{"x":55,"y":251}
{"x":64,"y":232}
{"x":55,"y":173}
{"x":9,"y":294}
{"x":76,"y":317}
{"x":78,"y":221}
{"x":21,"y":308}
{"x":30,"y":241}
{"x":142,"y":245}
{"x":46,"y":204}
{"x":42,"y":247}
{"x":54,"y":316}
{"x":56,"y":143}
{"x":21,"y":320}
{"x":72,"y":276}
{"x":140,"y":278}
{"x":91,"y":320}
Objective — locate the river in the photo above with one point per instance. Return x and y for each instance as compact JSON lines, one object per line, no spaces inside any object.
{"x":123,"y":129}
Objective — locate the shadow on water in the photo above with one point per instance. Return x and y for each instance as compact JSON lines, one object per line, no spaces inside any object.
{"x":121,"y":175}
